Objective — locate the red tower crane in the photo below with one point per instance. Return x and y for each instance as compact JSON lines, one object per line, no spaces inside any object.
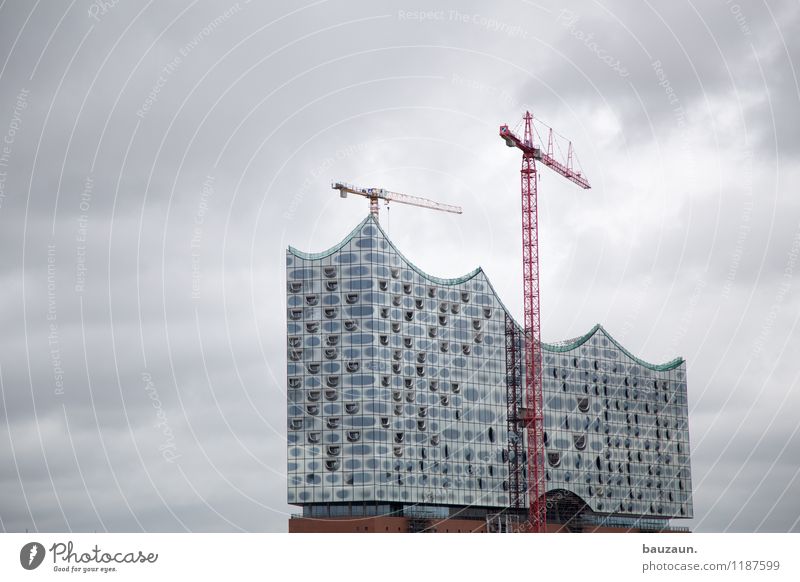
{"x":531,"y":416}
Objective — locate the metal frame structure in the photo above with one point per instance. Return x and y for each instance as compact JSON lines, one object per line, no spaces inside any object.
{"x":533,"y":417}
{"x":513,"y":404}
{"x":376,"y":194}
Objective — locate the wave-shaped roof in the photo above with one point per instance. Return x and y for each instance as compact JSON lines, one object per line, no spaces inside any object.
{"x":568,"y":345}
{"x":374,"y":221}
{"x":557,"y":347}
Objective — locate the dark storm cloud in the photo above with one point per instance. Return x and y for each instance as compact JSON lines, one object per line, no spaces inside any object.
{"x":656,"y":66}
{"x":166,"y":155}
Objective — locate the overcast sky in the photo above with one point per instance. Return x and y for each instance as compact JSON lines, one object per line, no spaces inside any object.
{"x":157,"y":159}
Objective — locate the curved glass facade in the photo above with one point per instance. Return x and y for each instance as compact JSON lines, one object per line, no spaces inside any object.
{"x":616,"y":429}
{"x":396,"y":389}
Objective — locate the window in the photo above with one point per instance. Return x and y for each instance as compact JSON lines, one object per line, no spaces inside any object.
{"x":351,"y":298}
{"x":312,"y":300}
{"x":333,"y":422}
{"x":329,"y":272}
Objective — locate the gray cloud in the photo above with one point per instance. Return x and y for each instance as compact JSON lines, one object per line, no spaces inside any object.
{"x":149,"y":407}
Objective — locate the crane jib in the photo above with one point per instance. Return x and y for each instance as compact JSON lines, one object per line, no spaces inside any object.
{"x":375,"y":194}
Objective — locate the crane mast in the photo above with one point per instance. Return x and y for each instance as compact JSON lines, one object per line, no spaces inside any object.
{"x":531,"y":416}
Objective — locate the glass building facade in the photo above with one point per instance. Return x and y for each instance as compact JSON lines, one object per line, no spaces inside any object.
{"x":397,"y":397}
{"x":616,"y":428}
